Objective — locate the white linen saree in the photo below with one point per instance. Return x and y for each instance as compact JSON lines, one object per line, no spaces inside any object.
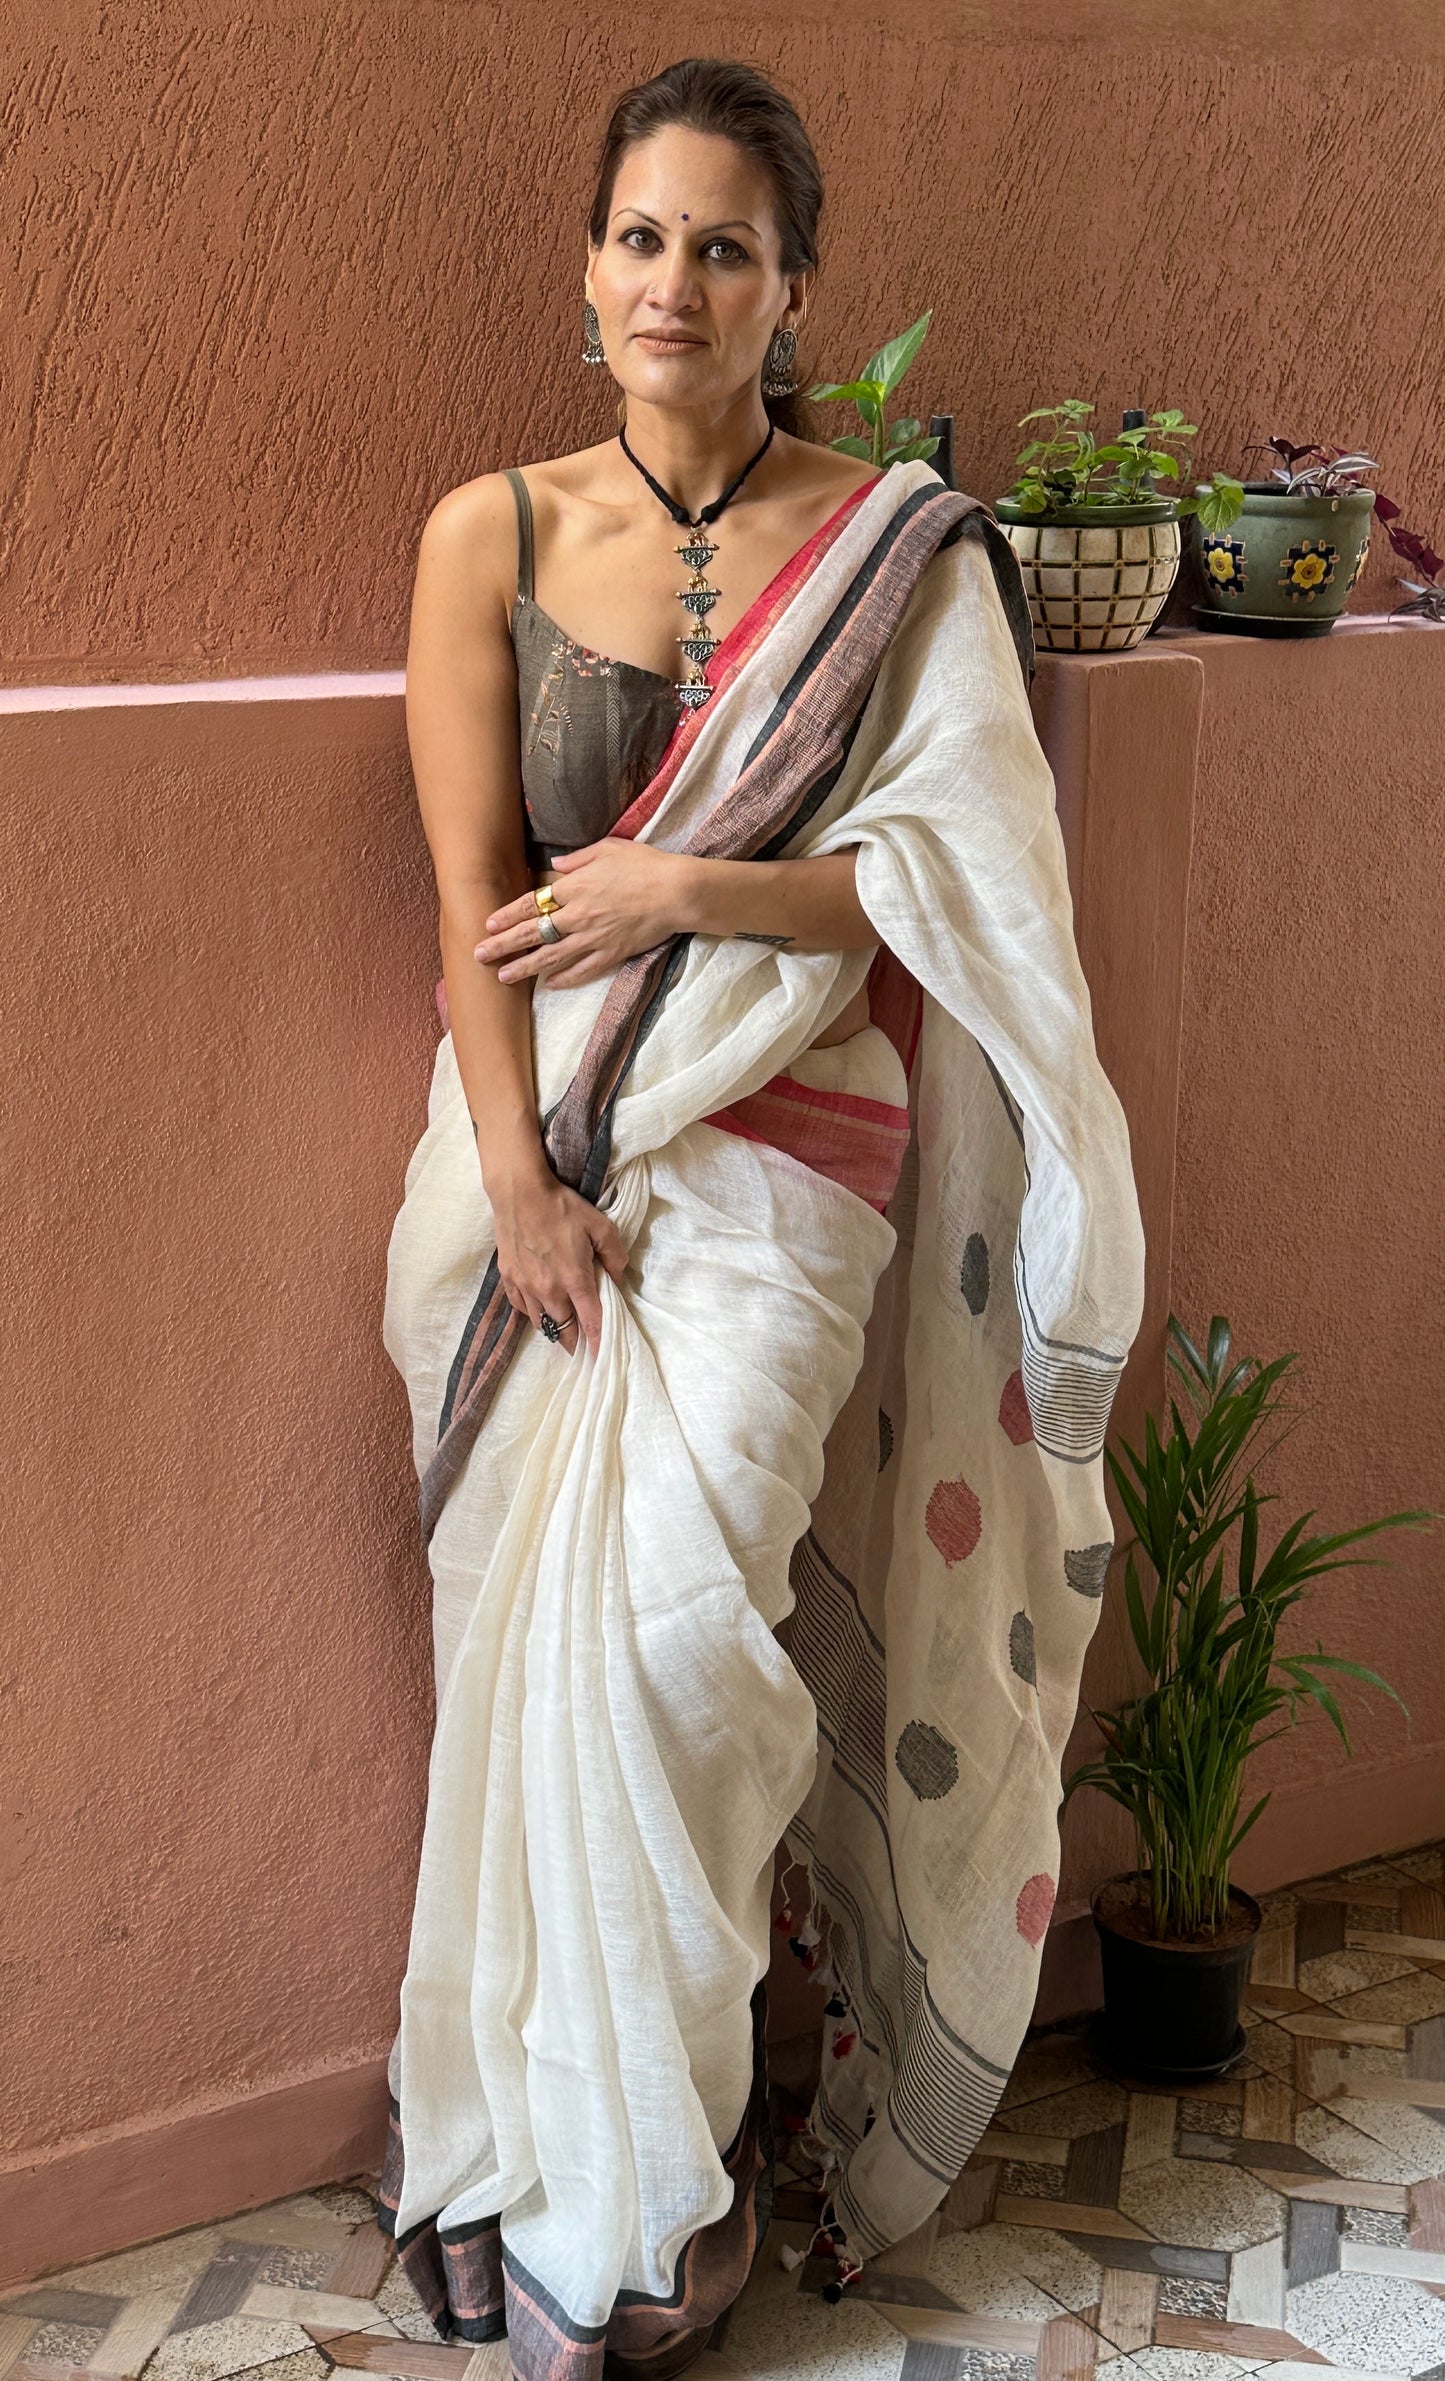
{"x":869,"y":1399}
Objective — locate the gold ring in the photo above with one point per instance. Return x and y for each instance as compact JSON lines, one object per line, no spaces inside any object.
{"x":546,"y":900}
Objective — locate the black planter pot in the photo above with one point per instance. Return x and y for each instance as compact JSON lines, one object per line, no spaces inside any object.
{"x":1171,"y":2010}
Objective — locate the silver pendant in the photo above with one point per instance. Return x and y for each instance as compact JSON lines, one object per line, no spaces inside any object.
{"x":698,"y":642}
{"x":700,"y":647}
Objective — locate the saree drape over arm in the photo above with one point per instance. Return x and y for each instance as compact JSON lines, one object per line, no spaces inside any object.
{"x":878,"y":1410}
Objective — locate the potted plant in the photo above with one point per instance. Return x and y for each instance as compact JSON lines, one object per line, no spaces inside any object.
{"x":901,"y":442}
{"x":1097,"y":542}
{"x":1175,"y":1936}
{"x":1285,"y":566}
{"x":1425,"y":596}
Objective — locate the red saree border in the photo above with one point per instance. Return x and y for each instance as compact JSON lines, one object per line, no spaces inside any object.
{"x":857,"y":1142}
{"x":738,"y":646}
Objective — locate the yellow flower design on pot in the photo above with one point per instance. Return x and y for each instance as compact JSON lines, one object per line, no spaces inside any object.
{"x":1306,"y":568}
{"x":1224,"y":561}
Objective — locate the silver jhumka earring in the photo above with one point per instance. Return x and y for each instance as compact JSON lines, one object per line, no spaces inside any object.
{"x":778,"y":378}
{"x":591,"y":335}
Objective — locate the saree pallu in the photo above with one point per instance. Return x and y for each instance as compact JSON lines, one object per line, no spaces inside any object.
{"x":858,"y":1372}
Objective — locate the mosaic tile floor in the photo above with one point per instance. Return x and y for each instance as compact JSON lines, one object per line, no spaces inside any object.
{"x":1290,"y":2215}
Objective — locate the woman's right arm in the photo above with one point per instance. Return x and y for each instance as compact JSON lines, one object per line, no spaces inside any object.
{"x":461,"y":719}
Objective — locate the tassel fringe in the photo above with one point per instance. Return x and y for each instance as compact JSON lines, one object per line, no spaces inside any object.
{"x":803,"y":1918}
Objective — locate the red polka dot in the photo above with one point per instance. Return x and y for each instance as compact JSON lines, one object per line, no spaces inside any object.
{"x":954,"y":1520}
{"x":1013,"y":1411}
{"x":1035,"y":1907}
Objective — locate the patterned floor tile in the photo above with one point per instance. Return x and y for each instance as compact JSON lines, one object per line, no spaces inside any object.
{"x":231,"y":2345}
{"x":1004,"y":2269}
{"x":1346,"y":2147}
{"x":1181,"y":2294}
{"x":1187,"y":2200}
{"x":1350,"y":1971}
{"x":1209,"y":2116}
{"x":1376,"y":2224}
{"x":345,"y":2200}
{"x":1082,"y":2108}
{"x":64,"y":2343}
{"x":309,"y":2364}
{"x":307,"y":2268}
{"x":1034,"y":2179}
{"x":1048,"y":2062}
{"x":1286,"y":2219}
{"x":397,"y":2300}
{"x":1000,"y":2141}
{"x":1369,"y":2319}
{"x":177,"y":2258}
{"x":807,"y":2339}
{"x":1185,"y":2364}
{"x":1426,"y":1864}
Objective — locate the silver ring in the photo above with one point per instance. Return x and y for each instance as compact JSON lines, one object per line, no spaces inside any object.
{"x":551,"y":1328}
{"x":548,"y":929}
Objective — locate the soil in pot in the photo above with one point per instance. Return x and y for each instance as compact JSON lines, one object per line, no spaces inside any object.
{"x":1171,"y":2008}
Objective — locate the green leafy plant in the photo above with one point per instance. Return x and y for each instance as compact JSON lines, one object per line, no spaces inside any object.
{"x":1174,"y":1754}
{"x":1065,"y":465}
{"x":901,"y":441}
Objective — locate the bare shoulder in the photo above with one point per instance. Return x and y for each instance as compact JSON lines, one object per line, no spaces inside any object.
{"x":466,"y":566}
{"x":471,"y":524}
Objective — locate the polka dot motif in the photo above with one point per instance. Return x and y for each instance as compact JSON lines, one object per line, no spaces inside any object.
{"x":1085,"y":1566}
{"x":885,"y":1438}
{"x":1015,"y":1419}
{"x":973,"y":1273}
{"x":926,"y":1761}
{"x":1021,"y":1647}
{"x":954,"y":1520}
{"x":1035,"y":1908}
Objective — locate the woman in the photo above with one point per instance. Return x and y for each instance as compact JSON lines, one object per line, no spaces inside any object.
{"x":769,"y":1167}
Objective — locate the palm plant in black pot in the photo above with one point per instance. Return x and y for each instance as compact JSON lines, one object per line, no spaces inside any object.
{"x":1176,"y":1937}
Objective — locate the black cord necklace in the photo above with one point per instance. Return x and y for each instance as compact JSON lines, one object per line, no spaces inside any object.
{"x":698,"y":642}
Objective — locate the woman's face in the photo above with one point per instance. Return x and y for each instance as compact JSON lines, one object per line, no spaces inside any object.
{"x":687,"y":283}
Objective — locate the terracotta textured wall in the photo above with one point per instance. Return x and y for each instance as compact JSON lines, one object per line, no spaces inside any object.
{"x":218,"y":1011}
{"x":278,"y":277}
{"x":1312,"y":1138}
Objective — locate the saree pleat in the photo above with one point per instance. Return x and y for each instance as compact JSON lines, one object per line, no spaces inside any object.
{"x":854,"y":1379}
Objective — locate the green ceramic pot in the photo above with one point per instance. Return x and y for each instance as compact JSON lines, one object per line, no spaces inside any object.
{"x":1286,"y":566}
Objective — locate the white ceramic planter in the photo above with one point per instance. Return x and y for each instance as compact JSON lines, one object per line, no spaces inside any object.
{"x":1094,"y":585}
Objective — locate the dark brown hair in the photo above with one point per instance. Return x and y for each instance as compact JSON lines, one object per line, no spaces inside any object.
{"x":722,"y":95}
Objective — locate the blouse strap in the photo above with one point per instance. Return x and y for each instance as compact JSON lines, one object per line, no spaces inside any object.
{"x":523,"y":503}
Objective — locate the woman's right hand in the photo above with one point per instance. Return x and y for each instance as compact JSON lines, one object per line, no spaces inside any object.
{"x":550,"y":1241}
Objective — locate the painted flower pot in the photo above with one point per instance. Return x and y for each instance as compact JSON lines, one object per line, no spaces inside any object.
{"x":1097,"y":575}
{"x":1171,"y":2009}
{"x":1286,"y":566}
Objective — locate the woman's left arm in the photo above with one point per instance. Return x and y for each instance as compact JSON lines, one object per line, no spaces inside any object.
{"x":615,"y":898}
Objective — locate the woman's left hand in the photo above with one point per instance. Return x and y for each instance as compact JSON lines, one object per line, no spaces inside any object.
{"x":613,"y":899}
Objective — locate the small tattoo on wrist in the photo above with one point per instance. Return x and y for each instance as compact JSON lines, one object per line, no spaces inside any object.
{"x":778,"y":941}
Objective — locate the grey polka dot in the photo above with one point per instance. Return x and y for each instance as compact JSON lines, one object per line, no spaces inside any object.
{"x":926,"y":1761}
{"x":1021,"y":1646}
{"x":1084,"y":1567}
{"x":885,"y":1438}
{"x":973,"y":1273}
